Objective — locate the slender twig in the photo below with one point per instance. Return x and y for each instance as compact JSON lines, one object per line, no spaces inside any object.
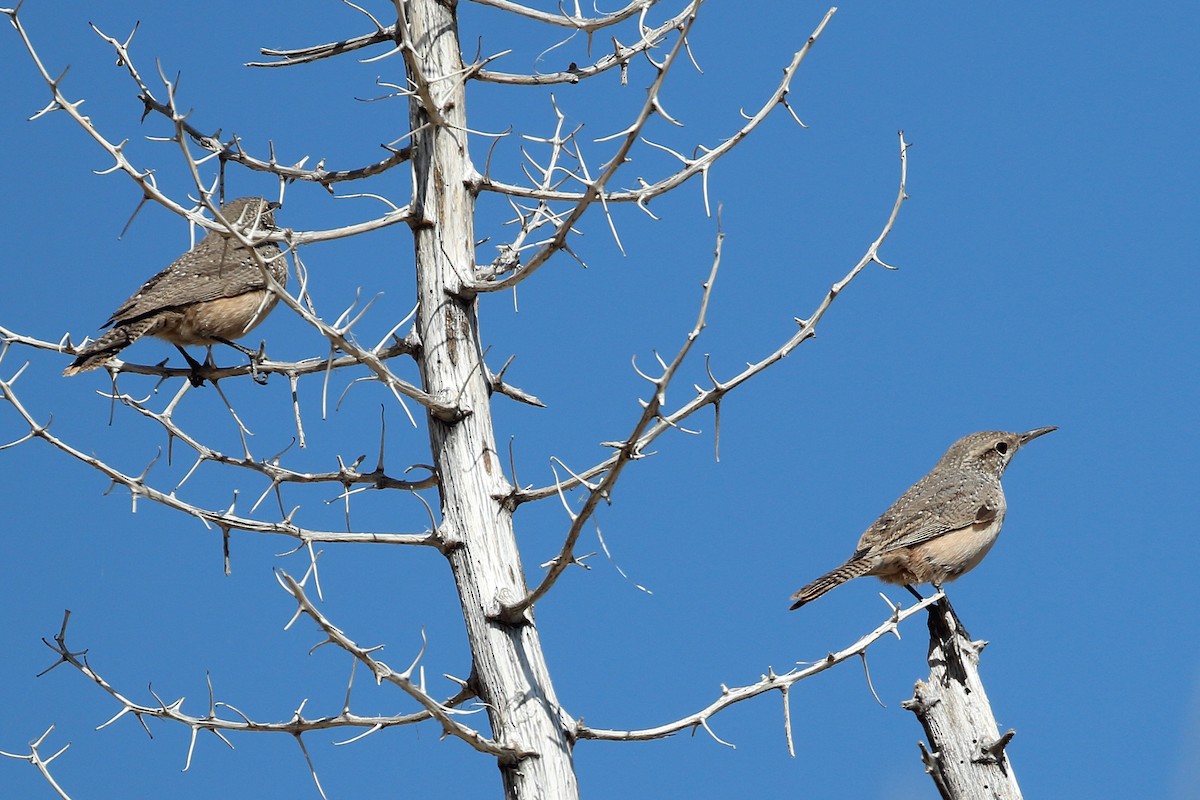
{"x":770,"y":682}
{"x":42,"y":763}
{"x":626,"y":450}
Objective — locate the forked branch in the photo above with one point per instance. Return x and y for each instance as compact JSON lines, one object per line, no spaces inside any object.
{"x":595,"y":189}
{"x":713,"y":395}
{"x":146,"y":180}
{"x":232,"y":149}
{"x":212,"y":722}
{"x":698,"y":165}
{"x":621,"y":55}
{"x":41,"y":762}
{"x":626,"y":451}
{"x":224,"y":520}
{"x":385,"y":674}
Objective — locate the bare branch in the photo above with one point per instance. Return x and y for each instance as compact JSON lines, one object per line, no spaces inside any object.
{"x":344,"y":475}
{"x":145,"y":178}
{"x":297,"y":725}
{"x":385,"y":674}
{"x":508,"y":390}
{"x":627,"y":450}
{"x":595,"y":190}
{"x":292,"y":369}
{"x":642,"y":195}
{"x":225,"y":521}
{"x":590,"y":25}
{"x":712,"y":396}
{"x":305,"y":55}
{"x":966,"y":755}
{"x":42,"y":763}
{"x":770,"y":682}
{"x":620,"y":57}
{"x":232,"y":150}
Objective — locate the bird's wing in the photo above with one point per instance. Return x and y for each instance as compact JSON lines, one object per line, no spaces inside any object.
{"x":217,"y":266}
{"x":928,"y":510}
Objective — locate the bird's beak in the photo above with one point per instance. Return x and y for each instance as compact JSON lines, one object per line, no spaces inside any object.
{"x":1026,"y":438}
{"x":273,"y":206}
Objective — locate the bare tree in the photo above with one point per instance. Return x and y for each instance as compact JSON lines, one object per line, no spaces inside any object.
{"x":469,"y":489}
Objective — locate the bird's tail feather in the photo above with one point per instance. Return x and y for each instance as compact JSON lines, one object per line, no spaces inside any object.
{"x":98,"y":353}
{"x":853,"y":568}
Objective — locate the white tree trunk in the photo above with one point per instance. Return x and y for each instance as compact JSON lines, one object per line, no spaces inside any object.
{"x":966,"y":755}
{"x":510,"y":673}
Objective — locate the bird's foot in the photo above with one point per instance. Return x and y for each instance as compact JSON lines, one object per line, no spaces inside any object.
{"x":195,"y":378}
{"x":256,"y":358}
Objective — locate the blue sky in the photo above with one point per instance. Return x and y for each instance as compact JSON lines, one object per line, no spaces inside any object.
{"x":1044,"y":279}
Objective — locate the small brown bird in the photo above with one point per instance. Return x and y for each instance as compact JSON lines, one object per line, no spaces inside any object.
{"x":213,"y":293}
{"x":941,"y":527}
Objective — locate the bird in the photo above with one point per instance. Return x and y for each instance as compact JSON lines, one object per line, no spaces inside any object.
{"x":942,"y":526}
{"x":213,"y":293}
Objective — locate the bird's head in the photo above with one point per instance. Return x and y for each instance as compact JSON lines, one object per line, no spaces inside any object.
{"x":250,"y":213}
{"x":991,"y":449}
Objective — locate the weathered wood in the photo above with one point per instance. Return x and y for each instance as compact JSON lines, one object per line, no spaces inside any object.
{"x":966,"y":754}
{"x":510,"y":673}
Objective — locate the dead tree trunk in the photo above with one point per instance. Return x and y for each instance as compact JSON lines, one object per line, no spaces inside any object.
{"x":966,"y":754}
{"x":510,"y":673}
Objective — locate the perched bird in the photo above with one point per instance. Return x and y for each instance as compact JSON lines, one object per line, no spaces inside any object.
{"x":213,"y":293}
{"x":941,"y":527}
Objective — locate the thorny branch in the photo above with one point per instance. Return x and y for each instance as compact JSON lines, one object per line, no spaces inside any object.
{"x":575,"y":21}
{"x":292,"y":370}
{"x":145,"y":179}
{"x":770,"y":682}
{"x":226,"y":521}
{"x":441,"y":711}
{"x":385,"y":674}
{"x":173,"y":712}
{"x":306,"y":55}
{"x":232,"y":150}
{"x":619,"y":57}
{"x":649,"y":38}
{"x":299,"y":725}
{"x":345,"y":475}
{"x":339,"y":333}
{"x":714,"y":395}
{"x":42,"y":763}
{"x":626,"y":451}
{"x":306,"y":366}
{"x":595,"y":190}
{"x":219,"y":726}
{"x":544,"y":192}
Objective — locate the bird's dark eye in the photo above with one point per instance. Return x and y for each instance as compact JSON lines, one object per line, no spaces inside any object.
{"x":1002,"y":447}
